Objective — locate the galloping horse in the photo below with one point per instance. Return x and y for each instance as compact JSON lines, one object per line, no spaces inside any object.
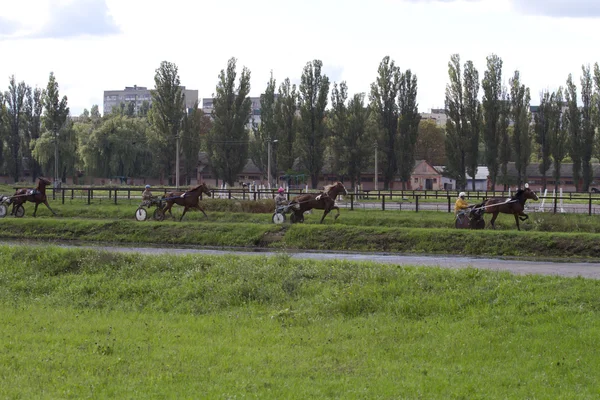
{"x":187,"y":199}
{"x":37,"y":196}
{"x":320,"y":201}
{"x":515,"y":205}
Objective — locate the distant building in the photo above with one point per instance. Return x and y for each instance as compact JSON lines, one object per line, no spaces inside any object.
{"x":207,"y":108}
{"x":438,"y":115}
{"x":139,"y":94}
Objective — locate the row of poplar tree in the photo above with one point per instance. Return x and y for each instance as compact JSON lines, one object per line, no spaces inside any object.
{"x":312,"y":126}
{"x":501,"y":125}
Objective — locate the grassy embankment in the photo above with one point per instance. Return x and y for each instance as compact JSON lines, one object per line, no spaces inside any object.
{"x":80,"y":324}
{"x":248,"y":224}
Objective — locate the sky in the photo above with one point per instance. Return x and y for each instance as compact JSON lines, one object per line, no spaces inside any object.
{"x":97,"y":45}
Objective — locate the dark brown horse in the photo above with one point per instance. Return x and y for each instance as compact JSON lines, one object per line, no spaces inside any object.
{"x":320,"y":201}
{"x":188,"y":200}
{"x":37,"y":196}
{"x":515,"y":205}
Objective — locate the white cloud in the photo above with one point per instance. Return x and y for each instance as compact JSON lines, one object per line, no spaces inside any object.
{"x":350,"y":37}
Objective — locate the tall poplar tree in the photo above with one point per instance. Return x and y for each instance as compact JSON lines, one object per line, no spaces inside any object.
{"x":314,"y":89}
{"x":227,"y":142}
{"x":492,"y":110}
{"x":559,"y":137}
{"x":543,"y":126}
{"x":473,"y":117}
{"x":573,"y":124}
{"x":15,"y":101}
{"x":520,"y":99}
{"x":166,"y":116}
{"x":384,"y":92}
{"x":588,"y":129}
{"x":264,"y":132}
{"x":286,"y":124}
{"x":408,"y":126}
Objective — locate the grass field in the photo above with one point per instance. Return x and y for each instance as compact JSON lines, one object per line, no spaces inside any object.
{"x":86,"y":324}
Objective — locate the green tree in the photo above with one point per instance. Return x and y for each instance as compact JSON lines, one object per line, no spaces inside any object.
{"x":64,"y":143}
{"x":95,"y":112}
{"x":588,"y":129}
{"x":384,"y":92}
{"x":596,"y":107}
{"x":227,"y":142}
{"x":314,"y":89}
{"x":15,"y":101}
{"x":430,"y":143}
{"x":117,"y":147}
{"x":474,"y":118}
{"x":492,"y":110}
{"x":166,"y":115}
{"x":543,"y":126}
{"x":3,"y":127}
{"x":144,"y":109}
{"x":131,"y":112}
{"x":357,"y":140}
{"x":34,"y":108}
{"x":559,"y":137}
{"x":287,"y":124}
{"x":408,"y":126}
{"x":54,"y":122}
{"x":265,"y":132}
{"x":520,"y":99}
{"x":573,"y":124}
{"x":505,"y":135}
{"x":195,"y":128}
{"x":338,"y":126}
{"x":457,"y":135}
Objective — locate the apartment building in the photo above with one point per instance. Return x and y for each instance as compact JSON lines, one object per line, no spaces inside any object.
{"x":139,"y":94}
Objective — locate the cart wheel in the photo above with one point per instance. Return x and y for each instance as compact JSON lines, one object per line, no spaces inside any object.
{"x":141,"y":214}
{"x":479,"y":224}
{"x":159,"y":214}
{"x":19,"y":211}
{"x":278,"y":218}
{"x":3,"y":210}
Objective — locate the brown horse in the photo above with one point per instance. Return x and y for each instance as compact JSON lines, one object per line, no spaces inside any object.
{"x":37,"y":196}
{"x":515,"y":205}
{"x":188,"y":199}
{"x":320,"y":201}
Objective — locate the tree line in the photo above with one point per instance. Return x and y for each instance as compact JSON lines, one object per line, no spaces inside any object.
{"x":501,"y":128}
{"x":311,"y":126}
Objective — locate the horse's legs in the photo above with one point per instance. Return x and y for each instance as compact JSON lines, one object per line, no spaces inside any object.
{"x":525,"y":216}
{"x":517,"y":221}
{"x":494,"y":220}
{"x":338,"y":212}
{"x":47,"y":205}
{"x":201,"y":209}
{"x":325,"y":214}
{"x":35,"y":209}
{"x":168,"y":209}
{"x":184,"y":211}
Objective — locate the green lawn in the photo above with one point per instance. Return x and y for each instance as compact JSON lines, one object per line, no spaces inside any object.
{"x":86,"y":324}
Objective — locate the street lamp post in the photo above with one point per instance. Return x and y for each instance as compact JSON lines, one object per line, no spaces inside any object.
{"x":269,"y":159}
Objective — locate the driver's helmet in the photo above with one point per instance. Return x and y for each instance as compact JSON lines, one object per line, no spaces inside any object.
{"x":462,"y":195}
{"x":281,"y":190}
{"x":147,"y":186}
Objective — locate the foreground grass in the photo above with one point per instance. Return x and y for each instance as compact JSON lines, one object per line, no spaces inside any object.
{"x":79,"y":324}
